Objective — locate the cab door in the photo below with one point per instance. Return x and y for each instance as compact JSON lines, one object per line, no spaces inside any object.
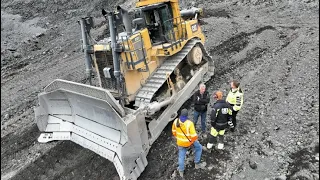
{"x":165,"y":14}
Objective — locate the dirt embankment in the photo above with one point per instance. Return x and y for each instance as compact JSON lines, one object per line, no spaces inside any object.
{"x":272,"y":47}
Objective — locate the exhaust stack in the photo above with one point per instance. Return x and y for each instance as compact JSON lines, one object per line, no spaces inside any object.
{"x":114,"y":46}
{"x":85,"y":25}
{"x":125,"y":20}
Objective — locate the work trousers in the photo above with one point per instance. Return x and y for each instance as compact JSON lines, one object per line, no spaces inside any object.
{"x":203,"y":116}
{"x":197,"y":147}
{"x":234,"y":118}
{"x":216,"y":133}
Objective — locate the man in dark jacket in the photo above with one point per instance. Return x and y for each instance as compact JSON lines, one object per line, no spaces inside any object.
{"x":201,"y":99}
{"x":220,"y":114}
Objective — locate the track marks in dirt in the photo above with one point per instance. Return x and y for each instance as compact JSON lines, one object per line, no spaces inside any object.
{"x":12,"y":68}
{"x":18,"y":112}
{"x":13,"y":144}
{"x":217,"y":13}
{"x":302,"y":163}
{"x":236,"y":43}
{"x":68,"y":160}
{"x":223,"y":52}
{"x":62,"y":10}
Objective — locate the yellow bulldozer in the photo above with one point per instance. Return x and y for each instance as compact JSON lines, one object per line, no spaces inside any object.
{"x":150,"y":65}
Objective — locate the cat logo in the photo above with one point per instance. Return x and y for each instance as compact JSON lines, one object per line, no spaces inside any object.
{"x":194,"y":27}
{"x":136,"y":39}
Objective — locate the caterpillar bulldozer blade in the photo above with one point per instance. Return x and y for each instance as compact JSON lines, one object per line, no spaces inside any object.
{"x":92,"y":118}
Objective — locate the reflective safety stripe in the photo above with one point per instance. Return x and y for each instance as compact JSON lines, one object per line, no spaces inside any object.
{"x":238,"y":100}
{"x":188,"y":135}
{"x":185,"y":134}
{"x":215,"y":133}
{"x":181,"y":133}
{"x":187,"y":129}
{"x":235,"y":99}
{"x":182,"y":139}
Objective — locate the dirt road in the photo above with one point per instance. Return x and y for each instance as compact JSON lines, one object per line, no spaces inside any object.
{"x":272,"y":47}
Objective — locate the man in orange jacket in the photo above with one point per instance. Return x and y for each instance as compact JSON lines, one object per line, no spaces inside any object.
{"x":186,"y":135}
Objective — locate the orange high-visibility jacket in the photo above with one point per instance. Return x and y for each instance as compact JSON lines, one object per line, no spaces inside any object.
{"x":189,"y":132}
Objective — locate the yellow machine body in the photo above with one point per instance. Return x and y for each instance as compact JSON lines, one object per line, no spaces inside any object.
{"x":141,"y":58}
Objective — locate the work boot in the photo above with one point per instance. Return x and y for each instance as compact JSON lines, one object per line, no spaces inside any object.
{"x":220,"y":140}
{"x":200,"y":165}
{"x":220,"y":145}
{"x":209,"y":146}
{"x":181,"y":173}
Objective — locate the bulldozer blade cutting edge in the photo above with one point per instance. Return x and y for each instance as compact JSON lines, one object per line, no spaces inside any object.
{"x":92,"y":118}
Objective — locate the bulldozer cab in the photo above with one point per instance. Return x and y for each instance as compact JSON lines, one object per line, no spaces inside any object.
{"x":158,"y":20}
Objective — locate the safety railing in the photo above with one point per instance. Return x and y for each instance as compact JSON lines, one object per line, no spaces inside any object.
{"x":136,"y":53}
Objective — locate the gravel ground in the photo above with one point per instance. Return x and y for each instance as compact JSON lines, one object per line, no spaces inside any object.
{"x":271,"y":46}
